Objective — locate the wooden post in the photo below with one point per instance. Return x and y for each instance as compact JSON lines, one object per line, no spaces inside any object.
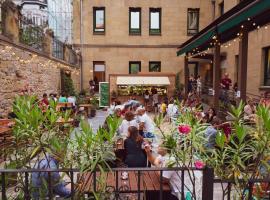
{"x":242,"y":69}
{"x":186,"y":74}
{"x":216,"y":74}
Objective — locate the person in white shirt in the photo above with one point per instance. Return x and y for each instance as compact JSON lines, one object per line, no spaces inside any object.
{"x":171,"y":177}
{"x":126,"y":123}
{"x":72,"y":99}
{"x":172,"y":110}
{"x":155,"y":101}
{"x":146,"y":124}
{"x":199,"y":86}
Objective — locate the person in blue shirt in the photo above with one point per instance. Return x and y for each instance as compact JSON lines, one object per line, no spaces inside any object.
{"x":40,"y":180}
{"x":211,"y":133}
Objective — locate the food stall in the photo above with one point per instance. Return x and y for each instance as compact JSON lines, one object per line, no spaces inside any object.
{"x":130,"y":86}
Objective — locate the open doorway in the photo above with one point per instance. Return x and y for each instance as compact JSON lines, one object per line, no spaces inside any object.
{"x":99,"y":73}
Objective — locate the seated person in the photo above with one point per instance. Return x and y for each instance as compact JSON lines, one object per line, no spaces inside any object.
{"x":40,"y":180}
{"x":126,"y":123}
{"x":146,"y":124}
{"x":249,"y":111}
{"x":133,"y":145}
{"x":211,"y":133}
{"x":62,"y":99}
{"x":173,"y":178}
{"x":72,"y":99}
{"x":209,"y":116}
{"x":44,"y":103}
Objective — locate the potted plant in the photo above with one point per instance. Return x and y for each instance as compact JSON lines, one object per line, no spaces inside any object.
{"x":94,"y":106}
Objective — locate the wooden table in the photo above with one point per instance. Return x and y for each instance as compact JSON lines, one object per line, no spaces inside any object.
{"x":86,"y":108}
{"x":149,"y":183}
{"x":63,"y":106}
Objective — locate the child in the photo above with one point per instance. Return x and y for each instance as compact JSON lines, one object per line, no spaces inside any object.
{"x":163,"y":108}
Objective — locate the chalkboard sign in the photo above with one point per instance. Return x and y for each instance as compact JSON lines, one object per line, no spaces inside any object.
{"x":104,"y":94}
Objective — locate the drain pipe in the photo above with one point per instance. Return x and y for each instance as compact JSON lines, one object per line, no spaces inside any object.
{"x":81,"y":40}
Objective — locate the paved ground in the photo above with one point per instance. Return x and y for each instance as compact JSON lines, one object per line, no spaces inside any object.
{"x":98,"y":120}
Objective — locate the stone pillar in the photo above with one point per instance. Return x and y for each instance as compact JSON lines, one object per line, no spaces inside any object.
{"x":67,"y":49}
{"x":47,"y":42}
{"x":10,"y":20}
{"x":216,"y":73}
{"x":242,"y":69}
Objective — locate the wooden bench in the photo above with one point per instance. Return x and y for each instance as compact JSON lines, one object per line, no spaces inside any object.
{"x":6,"y":139}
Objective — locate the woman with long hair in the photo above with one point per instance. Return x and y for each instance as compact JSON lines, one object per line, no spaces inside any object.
{"x":136,"y":156}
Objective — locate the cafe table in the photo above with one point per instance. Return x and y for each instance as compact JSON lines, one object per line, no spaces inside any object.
{"x":86,"y":108}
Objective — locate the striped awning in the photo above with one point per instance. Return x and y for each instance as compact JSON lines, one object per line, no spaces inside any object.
{"x":143,"y":80}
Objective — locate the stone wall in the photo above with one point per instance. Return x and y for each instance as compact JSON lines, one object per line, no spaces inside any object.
{"x":23,"y":68}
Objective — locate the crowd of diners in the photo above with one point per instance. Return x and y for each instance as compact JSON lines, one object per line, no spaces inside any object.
{"x":138,"y":130}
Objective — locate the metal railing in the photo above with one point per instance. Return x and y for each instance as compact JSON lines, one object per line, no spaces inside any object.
{"x":31,"y":34}
{"x":58,"y":49}
{"x":115,"y":189}
{"x":248,"y":192}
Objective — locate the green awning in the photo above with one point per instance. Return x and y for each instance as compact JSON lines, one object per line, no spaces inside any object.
{"x":204,"y":38}
{"x":224,"y":26}
{"x":249,"y":13}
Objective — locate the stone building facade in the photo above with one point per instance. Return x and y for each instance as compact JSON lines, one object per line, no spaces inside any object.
{"x":114,"y":46}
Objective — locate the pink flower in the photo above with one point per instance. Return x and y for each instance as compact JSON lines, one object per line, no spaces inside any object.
{"x":199,"y":164}
{"x":184,"y":129}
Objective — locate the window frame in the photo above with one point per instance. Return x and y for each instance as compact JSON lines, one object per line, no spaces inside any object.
{"x":197,"y":10}
{"x":137,"y":9}
{"x":266,"y":72}
{"x":94,"y":21}
{"x":134,"y":62}
{"x":153,"y":10}
{"x":154,"y":62}
{"x":221,"y":8}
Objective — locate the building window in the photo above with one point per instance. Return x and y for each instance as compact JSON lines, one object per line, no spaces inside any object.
{"x":193,"y":21}
{"x":99,"y":20}
{"x":221,"y":8}
{"x":134,"y":21}
{"x":134,"y":67}
{"x":267,"y":67}
{"x":99,"y":70}
{"x":155,"y":66}
{"x":155,"y":21}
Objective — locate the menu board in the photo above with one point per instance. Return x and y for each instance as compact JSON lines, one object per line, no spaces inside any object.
{"x":104,"y":94}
